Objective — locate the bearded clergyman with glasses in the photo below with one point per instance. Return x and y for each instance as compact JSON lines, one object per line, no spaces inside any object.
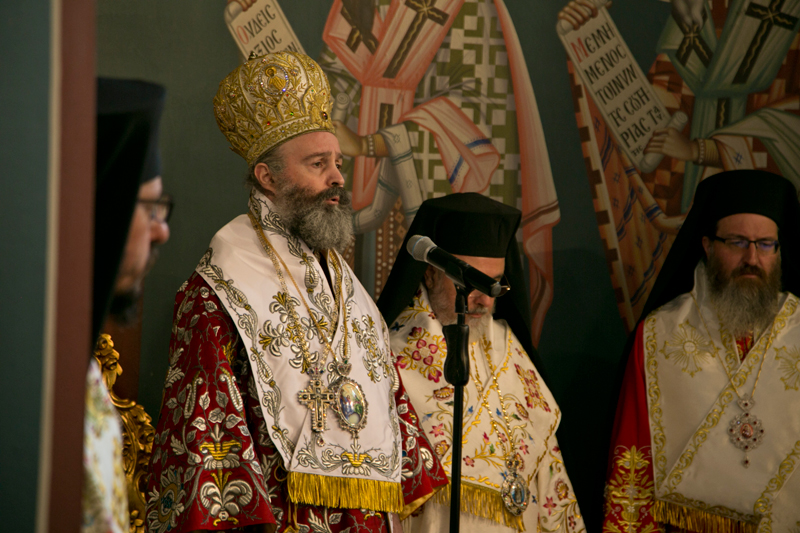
{"x":707,"y":432}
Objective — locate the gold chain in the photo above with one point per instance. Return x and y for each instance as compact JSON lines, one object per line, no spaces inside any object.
{"x":275,"y":258}
{"x":493,"y":371}
{"x":736,"y":351}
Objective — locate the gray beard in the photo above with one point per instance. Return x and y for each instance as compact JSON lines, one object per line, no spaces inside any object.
{"x":445,"y":310}
{"x":321,"y":226}
{"x":745,"y":306}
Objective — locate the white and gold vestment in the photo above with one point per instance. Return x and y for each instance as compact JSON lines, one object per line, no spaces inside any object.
{"x":695,"y":380}
{"x":512,"y":414}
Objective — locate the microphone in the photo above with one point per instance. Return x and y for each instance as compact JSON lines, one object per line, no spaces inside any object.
{"x":463,"y":275}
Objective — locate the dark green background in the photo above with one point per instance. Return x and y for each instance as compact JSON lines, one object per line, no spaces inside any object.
{"x":24,"y":97}
{"x":185,"y":45}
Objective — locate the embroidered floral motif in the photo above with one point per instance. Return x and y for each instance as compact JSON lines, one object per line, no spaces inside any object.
{"x":423,"y":352}
{"x":443,"y":394}
{"x":167,"y":503}
{"x":688,"y":349}
{"x":789,"y":366}
{"x":533,"y":395}
{"x":367,"y":338}
{"x":562,"y":491}
{"x":215,"y":460}
{"x":441,"y":448}
{"x":630,"y":491}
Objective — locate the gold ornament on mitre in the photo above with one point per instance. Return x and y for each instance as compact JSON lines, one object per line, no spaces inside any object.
{"x":271,"y":99}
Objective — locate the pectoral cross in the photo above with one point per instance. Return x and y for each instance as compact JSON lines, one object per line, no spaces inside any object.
{"x":317,"y":398}
{"x":693,"y":42}
{"x":770,"y":16}
{"x":425,"y":11}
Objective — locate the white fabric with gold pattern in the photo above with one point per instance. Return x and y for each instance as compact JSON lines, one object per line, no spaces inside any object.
{"x":239,"y":269}
{"x":534,"y":416}
{"x":691,"y":404}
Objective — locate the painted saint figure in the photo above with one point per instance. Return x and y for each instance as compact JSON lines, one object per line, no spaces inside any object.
{"x":433,"y":98}
{"x":731,"y":67}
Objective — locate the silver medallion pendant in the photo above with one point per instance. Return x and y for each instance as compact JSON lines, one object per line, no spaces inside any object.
{"x":514,"y":490}
{"x":350,"y":403}
{"x":745,"y":431}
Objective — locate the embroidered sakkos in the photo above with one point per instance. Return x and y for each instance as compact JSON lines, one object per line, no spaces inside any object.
{"x":283,"y":340}
{"x":521,"y":427}
{"x":676,"y":463}
{"x":218,"y":457}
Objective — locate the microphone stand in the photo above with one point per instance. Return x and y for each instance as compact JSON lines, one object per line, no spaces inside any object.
{"x":456,"y":372}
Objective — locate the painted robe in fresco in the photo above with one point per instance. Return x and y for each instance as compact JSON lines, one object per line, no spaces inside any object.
{"x":218,"y":461}
{"x":528,"y":416}
{"x":737,"y":79}
{"x":672,"y":460}
{"x":446,"y":86}
{"x":105,"y":488}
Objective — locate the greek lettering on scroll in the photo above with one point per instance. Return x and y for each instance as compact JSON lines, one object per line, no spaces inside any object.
{"x":262,"y":28}
{"x":617,"y":85}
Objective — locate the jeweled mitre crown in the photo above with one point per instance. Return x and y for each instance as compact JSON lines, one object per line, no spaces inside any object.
{"x":270,"y":99}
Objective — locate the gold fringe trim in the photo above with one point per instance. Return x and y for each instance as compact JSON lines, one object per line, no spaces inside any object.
{"x":345,"y":493}
{"x":697,"y":520}
{"x":483,"y":502}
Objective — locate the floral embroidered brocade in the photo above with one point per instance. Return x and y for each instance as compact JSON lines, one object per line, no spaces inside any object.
{"x":214,"y":464}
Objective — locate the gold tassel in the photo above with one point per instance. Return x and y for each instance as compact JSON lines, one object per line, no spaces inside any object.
{"x":345,"y":493}
{"x":697,"y":520}
{"x":483,"y":502}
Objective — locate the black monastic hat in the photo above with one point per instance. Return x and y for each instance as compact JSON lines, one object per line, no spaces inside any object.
{"x":718,"y":196}
{"x":466,"y":224}
{"x":128,"y":114}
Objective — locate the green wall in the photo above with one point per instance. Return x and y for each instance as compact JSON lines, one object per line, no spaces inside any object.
{"x":185,"y":45}
{"x":24,"y":94}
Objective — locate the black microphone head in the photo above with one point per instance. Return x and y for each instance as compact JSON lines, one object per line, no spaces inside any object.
{"x":419,"y":246}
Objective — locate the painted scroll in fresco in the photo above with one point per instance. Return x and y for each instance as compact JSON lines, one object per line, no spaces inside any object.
{"x":261,"y":29}
{"x":618,"y":86}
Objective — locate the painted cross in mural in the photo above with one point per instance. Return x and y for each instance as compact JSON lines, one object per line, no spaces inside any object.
{"x":731,"y":66}
{"x":433,"y":97}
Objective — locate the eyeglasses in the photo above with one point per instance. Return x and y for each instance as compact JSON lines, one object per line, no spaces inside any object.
{"x":160,"y":209}
{"x":763,"y":246}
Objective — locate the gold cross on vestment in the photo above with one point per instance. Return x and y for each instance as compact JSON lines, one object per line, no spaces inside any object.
{"x":316,"y":397}
{"x":770,"y":16}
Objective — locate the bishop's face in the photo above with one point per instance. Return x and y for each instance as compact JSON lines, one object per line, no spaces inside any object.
{"x":442,"y":291}
{"x":308,"y":191}
{"x":744,"y":277}
{"x":743,"y":265}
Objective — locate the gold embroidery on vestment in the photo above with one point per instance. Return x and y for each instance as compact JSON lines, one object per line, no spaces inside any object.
{"x":688,"y":349}
{"x":789,"y":366}
{"x":728,"y":394}
{"x":763,"y":505}
{"x":483,"y":502}
{"x":630,"y":488}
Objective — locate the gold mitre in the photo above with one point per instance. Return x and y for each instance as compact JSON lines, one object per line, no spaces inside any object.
{"x":271,"y":99}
